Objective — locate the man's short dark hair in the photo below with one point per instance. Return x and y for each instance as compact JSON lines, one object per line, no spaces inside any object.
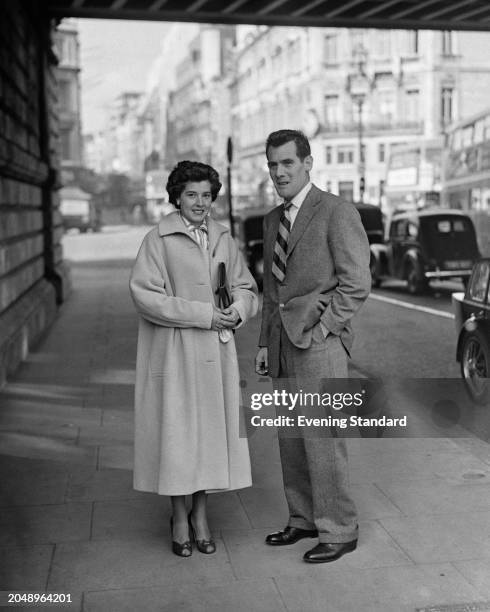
{"x":191,"y":171}
{"x":281,"y":137}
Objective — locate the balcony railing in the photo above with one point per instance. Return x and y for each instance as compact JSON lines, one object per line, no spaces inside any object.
{"x":373,"y":126}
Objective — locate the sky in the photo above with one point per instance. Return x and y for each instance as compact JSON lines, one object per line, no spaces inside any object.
{"x":116,"y":56}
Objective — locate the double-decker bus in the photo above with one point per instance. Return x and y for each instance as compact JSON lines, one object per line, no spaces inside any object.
{"x":413,"y":176}
{"x":466,"y":173}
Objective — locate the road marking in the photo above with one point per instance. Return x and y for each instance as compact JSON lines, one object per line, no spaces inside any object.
{"x":433,"y":311}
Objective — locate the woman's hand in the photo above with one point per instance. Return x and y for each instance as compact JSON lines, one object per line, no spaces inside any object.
{"x":233,"y":314}
{"x":220,"y":320}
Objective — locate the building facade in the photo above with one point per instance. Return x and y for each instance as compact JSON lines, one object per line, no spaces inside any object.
{"x":198,"y":114}
{"x":69,"y":93}
{"x":417,"y":83}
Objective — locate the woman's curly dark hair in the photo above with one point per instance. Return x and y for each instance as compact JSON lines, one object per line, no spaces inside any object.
{"x":191,"y":171}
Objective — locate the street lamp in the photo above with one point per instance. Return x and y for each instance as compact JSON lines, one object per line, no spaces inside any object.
{"x":229,"y":157}
{"x":359,"y":89}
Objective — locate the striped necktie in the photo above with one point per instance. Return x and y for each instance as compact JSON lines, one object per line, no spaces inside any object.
{"x":281,"y":244}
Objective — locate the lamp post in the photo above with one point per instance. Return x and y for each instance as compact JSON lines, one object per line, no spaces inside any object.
{"x":229,"y":156}
{"x":359,"y":89}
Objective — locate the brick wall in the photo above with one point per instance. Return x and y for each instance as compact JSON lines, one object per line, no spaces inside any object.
{"x":33,"y":278}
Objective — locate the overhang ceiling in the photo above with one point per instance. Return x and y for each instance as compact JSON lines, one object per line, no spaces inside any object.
{"x":403,"y":14}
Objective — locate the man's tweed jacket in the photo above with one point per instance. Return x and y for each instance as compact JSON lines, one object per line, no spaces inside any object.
{"x":327,"y":274}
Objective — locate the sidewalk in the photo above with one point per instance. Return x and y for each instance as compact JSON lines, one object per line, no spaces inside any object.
{"x":71,"y":522}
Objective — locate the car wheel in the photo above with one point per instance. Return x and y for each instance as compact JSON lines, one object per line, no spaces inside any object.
{"x":475,"y":366}
{"x":415,"y":284}
{"x":258,"y":271}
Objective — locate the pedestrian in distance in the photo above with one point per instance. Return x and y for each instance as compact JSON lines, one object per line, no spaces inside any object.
{"x":187,"y":395}
{"x":316,"y":276}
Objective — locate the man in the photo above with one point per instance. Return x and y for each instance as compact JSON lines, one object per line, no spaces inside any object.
{"x":316,"y":276}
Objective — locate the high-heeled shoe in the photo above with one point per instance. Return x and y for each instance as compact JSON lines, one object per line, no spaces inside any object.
{"x":182,"y":550}
{"x":205,"y":546}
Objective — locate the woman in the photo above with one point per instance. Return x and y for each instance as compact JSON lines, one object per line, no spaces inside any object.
{"x":187,"y":438}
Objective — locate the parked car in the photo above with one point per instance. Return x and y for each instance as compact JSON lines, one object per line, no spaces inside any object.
{"x":372,"y":220}
{"x":78,"y":210}
{"x":472,"y":319}
{"x":423,"y":245}
{"x":249,"y":233}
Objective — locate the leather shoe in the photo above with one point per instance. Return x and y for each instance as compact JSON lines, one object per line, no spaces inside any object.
{"x":324,"y":553}
{"x":290,"y":535}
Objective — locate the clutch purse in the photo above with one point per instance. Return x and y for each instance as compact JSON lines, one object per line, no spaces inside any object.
{"x":224,"y":300}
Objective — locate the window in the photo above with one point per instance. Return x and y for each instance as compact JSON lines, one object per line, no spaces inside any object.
{"x":346,"y":190}
{"x":358,"y":38}
{"x":447,"y":104}
{"x":363,"y":154}
{"x":381,"y":188}
{"x":332,"y":110}
{"x":328,"y":156}
{"x":447,"y":42}
{"x":412,"y":105}
{"x":412,"y":229}
{"x":65,"y":144}
{"x":479,"y":132}
{"x":345,"y":155}
{"x":381,"y":152}
{"x":383,"y":43}
{"x":330,"y":49}
{"x":277,"y":63}
{"x":386,"y":105}
{"x":413,"y":42}
{"x":64,"y":95}
{"x":479,"y":282}
{"x":328,"y":186}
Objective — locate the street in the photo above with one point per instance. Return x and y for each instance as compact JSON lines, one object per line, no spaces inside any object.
{"x":392,"y":340}
{"x":72,"y":522}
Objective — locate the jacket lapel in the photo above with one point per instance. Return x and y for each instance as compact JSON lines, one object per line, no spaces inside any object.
{"x":303,"y":218}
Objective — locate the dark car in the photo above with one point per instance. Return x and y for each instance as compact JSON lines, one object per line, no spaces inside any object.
{"x":423,"y":245}
{"x":372,"y":220}
{"x":249,"y":232}
{"x":472,"y":318}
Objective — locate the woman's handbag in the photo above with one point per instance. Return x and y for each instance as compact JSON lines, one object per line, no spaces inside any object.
{"x":224,"y":300}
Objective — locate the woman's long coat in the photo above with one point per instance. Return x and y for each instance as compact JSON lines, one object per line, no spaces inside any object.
{"x":187,"y":396}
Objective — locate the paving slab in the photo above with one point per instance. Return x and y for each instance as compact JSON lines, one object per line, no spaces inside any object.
{"x":438,"y":496}
{"x":226,"y":511}
{"x":19,"y":444}
{"x":252,"y":558}
{"x":53,"y":431}
{"x":25,"y":567}
{"x":373,"y":503}
{"x":93,"y":485}
{"x":43,"y":524}
{"x":132,"y":563}
{"x":31,"y":482}
{"x":413,"y":466}
{"x":50,"y":394}
{"x":94,"y":434}
{"x":379,"y":446}
{"x":119,"y":456}
{"x":266,"y":507}
{"x":239,"y":596}
{"x":477,"y":573}
{"x":392,"y":589}
{"x":442,"y":537}
{"x":117,"y":519}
